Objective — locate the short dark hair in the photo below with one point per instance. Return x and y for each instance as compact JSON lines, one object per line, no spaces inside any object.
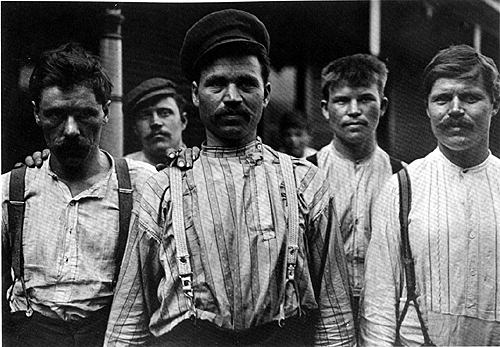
{"x":465,"y":63}
{"x":69,"y":66}
{"x":232,"y":50}
{"x":358,"y":70}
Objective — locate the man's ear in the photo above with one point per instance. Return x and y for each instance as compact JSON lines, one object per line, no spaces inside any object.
{"x":324,"y":109}
{"x":105,"y":109}
{"x":383,"y":105}
{"x":184,"y":120}
{"x":194,"y":94}
{"x":267,"y":93}
{"x":36,"y":110}
{"x":496,"y":106}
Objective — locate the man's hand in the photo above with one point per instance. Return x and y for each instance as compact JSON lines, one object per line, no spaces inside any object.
{"x":36,"y":159}
{"x":183,"y":158}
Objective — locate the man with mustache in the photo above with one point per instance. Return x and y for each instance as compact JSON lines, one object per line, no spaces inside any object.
{"x":353,"y":102}
{"x":65,"y":246}
{"x":159,"y":119}
{"x":244,"y":249}
{"x":453,"y":221}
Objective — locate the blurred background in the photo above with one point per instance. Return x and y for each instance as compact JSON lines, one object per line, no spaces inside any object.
{"x":142,"y":40}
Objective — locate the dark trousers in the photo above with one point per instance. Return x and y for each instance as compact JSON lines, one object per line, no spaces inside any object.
{"x":41,"y":331}
{"x":295,"y":332}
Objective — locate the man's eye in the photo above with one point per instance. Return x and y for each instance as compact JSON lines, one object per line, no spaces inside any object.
{"x":164,"y":113}
{"x":470,"y":99}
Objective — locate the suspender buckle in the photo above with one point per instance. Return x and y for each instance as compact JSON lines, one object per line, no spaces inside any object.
{"x":187,"y":284}
{"x":290,"y":273}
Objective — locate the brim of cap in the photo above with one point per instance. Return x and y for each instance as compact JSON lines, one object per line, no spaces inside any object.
{"x":228,"y":41}
{"x":153,"y":94}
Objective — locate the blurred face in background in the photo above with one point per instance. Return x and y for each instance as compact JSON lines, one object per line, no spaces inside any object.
{"x":159,"y":124}
{"x":295,"y":140}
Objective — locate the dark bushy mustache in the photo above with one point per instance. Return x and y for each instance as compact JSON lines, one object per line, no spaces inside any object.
{"x":71,"y":145}
{"x":154,"y":133}
{"x":451,"y":123}
{"x":232,"y":111}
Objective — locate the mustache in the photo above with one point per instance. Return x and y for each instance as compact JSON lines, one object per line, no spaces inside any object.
{"x":72,"y":144}
{"x":240,"y":110}
{"x":452,"y":123}
{"x":155,"y":133}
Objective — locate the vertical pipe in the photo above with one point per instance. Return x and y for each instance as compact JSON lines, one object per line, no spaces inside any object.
{"x":111,"y":56}
{"x":477,"y":37}
{"x":375,"y":27}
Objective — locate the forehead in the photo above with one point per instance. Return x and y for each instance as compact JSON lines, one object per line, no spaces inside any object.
{"x":165,"y":102}
{"x":450,"y":84}
{"x":233,"y":66}
{"x":78,"y":96}
{"x":345,"y":87}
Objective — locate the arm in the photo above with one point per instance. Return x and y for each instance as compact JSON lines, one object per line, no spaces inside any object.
{"x":6,"y":251}
{"x":334,"y":325}
{"x":135,"y":294}
{"x":383,"y":272}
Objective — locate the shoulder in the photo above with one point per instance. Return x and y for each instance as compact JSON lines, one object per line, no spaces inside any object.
{"x":139,"y":171}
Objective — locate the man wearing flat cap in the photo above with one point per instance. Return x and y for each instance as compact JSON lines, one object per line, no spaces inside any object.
{"x":158,"y":116}
{"x":244,"y":249}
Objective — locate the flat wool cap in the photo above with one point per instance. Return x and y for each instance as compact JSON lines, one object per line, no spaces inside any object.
{"x":217,"y":29}
{"x":146,"y":90}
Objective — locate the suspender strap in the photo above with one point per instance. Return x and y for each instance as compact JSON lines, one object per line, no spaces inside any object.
{"x":183,"y":261}
{"x":409,"y":265}
{"x":396,"y":164}
{"x":125,"y":211}
{"x":293,"y":215}
{"x":292,"y":237}
{"x":16,"y":220}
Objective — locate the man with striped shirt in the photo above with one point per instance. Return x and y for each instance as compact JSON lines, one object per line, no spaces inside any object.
{"x":453,"y":223}
{"x":258,"y":258}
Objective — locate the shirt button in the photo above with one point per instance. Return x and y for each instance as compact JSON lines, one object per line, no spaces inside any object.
{"x":472,"y":235}
{"x":473,"y":273}
{"x":72,"y":203}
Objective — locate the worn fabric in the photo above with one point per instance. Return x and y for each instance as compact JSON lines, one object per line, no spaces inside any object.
{"x":141,"y":156}
{"x":356,"y":185}
{"x":454,"y":225}
{"x":235,"y":219}
{"x":68,"y":242}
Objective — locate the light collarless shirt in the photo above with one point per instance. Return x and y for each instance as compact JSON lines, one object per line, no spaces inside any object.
{"x":454,"y":228}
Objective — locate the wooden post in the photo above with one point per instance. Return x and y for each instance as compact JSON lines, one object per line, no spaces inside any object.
{"x":111,"y":56}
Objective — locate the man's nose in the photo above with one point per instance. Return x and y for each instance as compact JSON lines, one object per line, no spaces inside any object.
{"x":353,"y":109}
{"x":232,"y":94}
{"x":71,"y":127}
{"x":155,"y":119}
{"x":456,"y":109}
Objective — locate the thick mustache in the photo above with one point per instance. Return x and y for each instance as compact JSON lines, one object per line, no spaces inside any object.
{"x":71,"y":144}
{"x":452,"y":123}
{"x":155,"y":133}
{"x":232,"y":111}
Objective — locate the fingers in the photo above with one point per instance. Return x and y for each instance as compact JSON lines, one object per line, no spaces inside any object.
{"x":45,"y":154}
{"x":37,"y":157}
{"x":195,"y":153}
{"x":30,"y":161}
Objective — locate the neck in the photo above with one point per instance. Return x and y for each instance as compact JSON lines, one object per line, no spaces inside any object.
{"x":213,"y":141}
{"x":84,"y":175}
{"x":466,"y":158}
{"x":356,"y":151}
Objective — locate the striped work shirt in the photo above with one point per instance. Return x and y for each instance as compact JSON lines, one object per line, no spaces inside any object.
{"x":454,"y":228}
{"x":235,"y":216}
{"x":356,"y":185}
{"x":68,"y":241}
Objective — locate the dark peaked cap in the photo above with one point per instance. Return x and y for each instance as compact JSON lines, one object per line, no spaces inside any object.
{"x":217,"y":29}
{"x":146,"y":90}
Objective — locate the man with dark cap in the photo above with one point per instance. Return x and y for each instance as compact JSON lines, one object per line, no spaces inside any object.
{"x":244,"y":249}
{"x":158,"y":114}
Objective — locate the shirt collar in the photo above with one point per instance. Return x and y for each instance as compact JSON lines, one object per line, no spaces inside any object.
{"x":251,"y":149}
{"x":457,"y":168}
{"x":98,"y":190}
